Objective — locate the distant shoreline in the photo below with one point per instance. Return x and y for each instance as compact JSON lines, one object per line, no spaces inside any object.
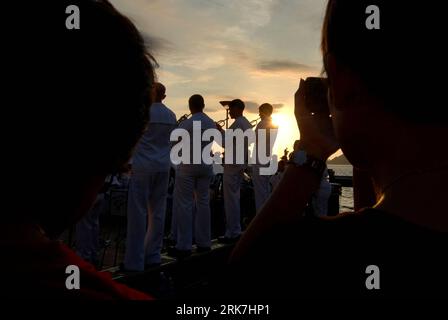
{"x":341,"y":160}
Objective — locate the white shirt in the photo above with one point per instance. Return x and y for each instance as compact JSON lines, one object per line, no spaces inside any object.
{"x":206,"y":123}
{"x":153,"y":151}
{"x":243,"y":124}
{"x":265,"y":124}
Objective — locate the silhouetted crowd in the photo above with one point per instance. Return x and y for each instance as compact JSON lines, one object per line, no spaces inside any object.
{"x":84,"y":103}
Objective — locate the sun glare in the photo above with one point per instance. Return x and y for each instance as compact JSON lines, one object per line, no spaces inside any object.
{"x":287,"y":131}
{"x":280,"y":120}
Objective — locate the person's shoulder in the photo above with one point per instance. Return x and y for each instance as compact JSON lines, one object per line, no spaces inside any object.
{"x":242,"y":123}
{"x":159,"y":113}
{"x":187,"y":124}
{"x":169,"y":113}
{"x":246,"y":123}
{"x":266,"y":124}
{"x":206,"y":116}
{"x":308,"y":253}
{"x":209,"y":121}
{"x":244,"y":120}
{"x":272,"y":125}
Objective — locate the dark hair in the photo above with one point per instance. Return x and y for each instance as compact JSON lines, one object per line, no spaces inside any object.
{"x":267,"y":107}
{"x":196,"y":102}
{"x":394,"y":61}
{"x":160,"y":90}
{"x":80,"y":98}
{"x":237,"y":103}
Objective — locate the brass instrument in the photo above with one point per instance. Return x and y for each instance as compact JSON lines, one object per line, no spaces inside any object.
{"x":223,"y":122}
{"x":253,"y":123}
{"x":225,"y":104}
{"x":183,"y":118}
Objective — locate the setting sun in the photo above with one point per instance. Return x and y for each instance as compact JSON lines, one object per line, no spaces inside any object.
{"x":280,"y":120}
{"x":287,"y":130}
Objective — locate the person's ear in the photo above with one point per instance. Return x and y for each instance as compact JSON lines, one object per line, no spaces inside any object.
{"x":164,"y":96}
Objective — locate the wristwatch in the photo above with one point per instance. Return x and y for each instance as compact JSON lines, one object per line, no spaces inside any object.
{"x":300,"y":158}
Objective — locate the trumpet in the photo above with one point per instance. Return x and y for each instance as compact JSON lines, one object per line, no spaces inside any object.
{"x":221,"y":123}
{"x":253,"y":123}
{"x":183,"y":118}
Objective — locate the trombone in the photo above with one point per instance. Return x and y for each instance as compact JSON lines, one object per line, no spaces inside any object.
{"x":183,"y":118}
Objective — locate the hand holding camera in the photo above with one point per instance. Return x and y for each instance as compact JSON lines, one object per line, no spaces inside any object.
{"x":313,"y":118}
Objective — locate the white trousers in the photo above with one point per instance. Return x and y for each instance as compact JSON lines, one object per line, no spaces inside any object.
{"x":87,"y":231}
{"x":192,"y":193}
{"x":146,"y":219}
{"x":262,"y":187}
{"x":233,"y":176}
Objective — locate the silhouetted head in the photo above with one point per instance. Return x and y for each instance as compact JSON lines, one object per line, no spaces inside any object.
{"x":236,"y":108}
{"x":158,"y":92}
{"x":80,"y":100}
{"x":265,"y":110}
{"x":196,"y":103}
{"x":383,"y":87}
{"x":281,"y":166}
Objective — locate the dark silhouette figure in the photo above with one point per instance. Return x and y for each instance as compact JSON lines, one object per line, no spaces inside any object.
{"x":389,"y":118}
{"x":79,"y":100}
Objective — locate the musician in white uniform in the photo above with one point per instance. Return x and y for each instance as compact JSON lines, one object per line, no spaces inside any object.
{"x":148,"y":187}
{"x":320,"y":199}
{"x":262,"y":188}
{"x":88,"y":228}
{"x":192,"y":188}
{"x":233,"y":176}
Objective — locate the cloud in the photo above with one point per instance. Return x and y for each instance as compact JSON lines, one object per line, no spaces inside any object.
{"x":252,"y":106}
{"x":254,"y":13}
{"x":255,"y":50}
{"x":283,"y":66}
{"x":170,"y":79}
{"x":212,"y":108}
{"x":158,"y":44}
{"x":278,"y":106}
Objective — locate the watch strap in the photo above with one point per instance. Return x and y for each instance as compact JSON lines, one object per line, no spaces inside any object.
{"x":316,"y":165}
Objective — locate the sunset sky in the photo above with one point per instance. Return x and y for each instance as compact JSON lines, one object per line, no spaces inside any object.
{"x":255,"y":50}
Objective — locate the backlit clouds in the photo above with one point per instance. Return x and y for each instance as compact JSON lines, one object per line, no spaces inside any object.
{"x":252,"y":106}
{"x":283,"y":65}
{"x":254,"y":13}
{"x":255,"y":50}
{"x":158,"y":45}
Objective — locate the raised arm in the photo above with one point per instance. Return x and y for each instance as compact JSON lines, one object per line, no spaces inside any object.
{"x":289,"y":199}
